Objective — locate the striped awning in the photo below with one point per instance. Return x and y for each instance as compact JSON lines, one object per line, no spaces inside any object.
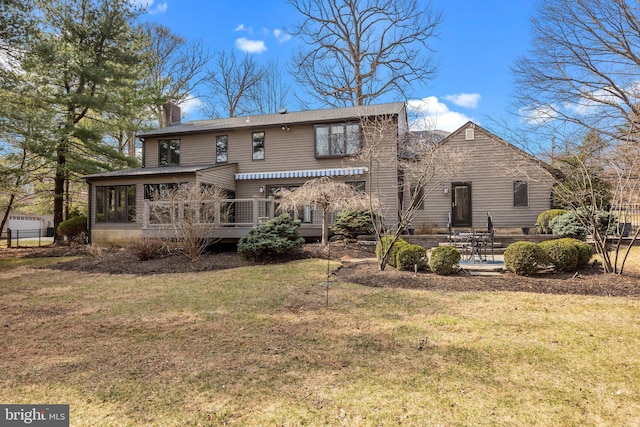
{"x":302,"y":174}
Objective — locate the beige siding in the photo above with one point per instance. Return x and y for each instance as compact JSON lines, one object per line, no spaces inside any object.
{"x":491,"y":168}
{"x":221,"y":176}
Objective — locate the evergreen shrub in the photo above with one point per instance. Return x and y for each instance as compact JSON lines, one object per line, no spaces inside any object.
{"x":444,"y":260}
{"x":561,"y":253}
{"x":545,"y":217}
{"x":411,"y":255}
{"x":524,"y":258}
{"x":72,"y":227}
{"x":278,"y":237}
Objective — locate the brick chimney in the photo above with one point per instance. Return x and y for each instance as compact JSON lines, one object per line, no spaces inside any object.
{"x":170,"y":114}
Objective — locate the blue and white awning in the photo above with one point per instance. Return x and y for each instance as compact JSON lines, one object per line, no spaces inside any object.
{"x":315,"y":173}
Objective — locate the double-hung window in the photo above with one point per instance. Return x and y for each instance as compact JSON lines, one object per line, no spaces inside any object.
{"x":169,"y":152}
{"x":337,"y":140}
{"x":222,"y":145}
{"x":520,"y":194}
{"x":258,"y":146}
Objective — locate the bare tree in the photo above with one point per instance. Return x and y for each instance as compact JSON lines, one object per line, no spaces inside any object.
{"x":355,"y":51}
{"x":422,"y":163}
{"x":580,"y":77}
{"x":191,"y":215}
{"x":230,"y":83}
{"x":175,"y":67}
{"x":583,"y":66}
{"x":326,"y":194}
{"x":272,"y":93}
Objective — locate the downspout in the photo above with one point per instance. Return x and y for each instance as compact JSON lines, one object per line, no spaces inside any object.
{"x":89,"y":212}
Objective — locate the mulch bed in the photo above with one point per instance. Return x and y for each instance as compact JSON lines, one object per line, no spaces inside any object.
{"x":589,"y":281}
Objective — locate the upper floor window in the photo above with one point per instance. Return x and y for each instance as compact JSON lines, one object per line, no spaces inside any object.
{"x":221,"y":148}
{"x":520,"y":194}
{"x":169,"y":152}
{"x":258,"y":146}
{"x":337,"y":140}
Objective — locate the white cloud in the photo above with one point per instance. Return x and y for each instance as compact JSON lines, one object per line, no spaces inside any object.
{"x":191,"y":106}
{"x":250,"y":46}
{"x":431,"y":114}
{"x":538,"y":116}
{"x":467,"y":100}
{"x":282,"y":36}
{"x":148,"y":5}
{"x":243,"y":28}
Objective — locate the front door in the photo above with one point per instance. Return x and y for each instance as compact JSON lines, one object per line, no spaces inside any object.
{"x":461,"y":204}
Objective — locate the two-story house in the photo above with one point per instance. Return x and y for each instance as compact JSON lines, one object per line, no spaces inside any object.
{"x":249,"y":157}
{"x":252,"y":157}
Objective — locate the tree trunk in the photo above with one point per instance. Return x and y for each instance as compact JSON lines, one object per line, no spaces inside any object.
{"x":58,"y":189}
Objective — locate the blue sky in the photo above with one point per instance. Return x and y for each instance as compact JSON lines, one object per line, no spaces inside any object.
{"x":477,"y":46}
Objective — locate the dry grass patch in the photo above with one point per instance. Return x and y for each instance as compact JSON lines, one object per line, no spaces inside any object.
{"x":256,"y":346}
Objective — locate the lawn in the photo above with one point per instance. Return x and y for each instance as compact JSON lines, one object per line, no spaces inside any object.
{"x":258,"y":346}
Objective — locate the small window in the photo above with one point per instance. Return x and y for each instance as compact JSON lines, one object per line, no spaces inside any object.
{"x":258,"y":146}
{"x":360,"y":186}
{"x":520,"y":194}
{"x":169,"y":152}
{"x":221,"y":148}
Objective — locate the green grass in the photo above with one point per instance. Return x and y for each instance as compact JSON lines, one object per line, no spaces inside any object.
{"x":257,"y":346}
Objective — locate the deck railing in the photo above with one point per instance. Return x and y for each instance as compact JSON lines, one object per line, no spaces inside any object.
{"x":247,"y":213}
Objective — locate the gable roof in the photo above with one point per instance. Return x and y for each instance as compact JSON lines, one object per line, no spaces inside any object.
{"x":553,"y":171}
{"x":278,"y":119}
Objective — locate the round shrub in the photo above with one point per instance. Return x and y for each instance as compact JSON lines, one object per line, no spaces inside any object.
{"x":444,"y":260}
{"x":276,"y":238}
{"x":411,"y":255}
{"x":562,"y":254}
{"x":351,"y":224}
{"x":567,"y":225}
{"x":384,"y":243}
{"x":524,"y":258}
{"x":542,"y":223}
{"x":585,"y":251}
{"x":72,"y":227}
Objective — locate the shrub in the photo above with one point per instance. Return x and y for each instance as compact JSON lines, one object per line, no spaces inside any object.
{"x":524,"y":258}
{"x":384,"y":243}
{"x":444,"y":260}
{"x":411,"y":255}
{"x":146,"y":248}
{"x":542,"y":223}
{"x":570,"y":225}
{"x":561,"y":253}
{"x":72,"y":227}
{"x":585,"y":251}
{"x":276,"y":238}
{"x":351,"y":224}
{"x":567,"y":225}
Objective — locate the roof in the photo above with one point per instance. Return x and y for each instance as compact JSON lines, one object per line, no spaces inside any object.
{"x":168,"y":170}
{"x":553,"y":171}
{"x":278,"y":119}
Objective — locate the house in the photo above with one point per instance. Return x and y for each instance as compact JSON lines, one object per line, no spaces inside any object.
{"x":249,"y":157}
{"x":495,"y":178}
{"x":252,"y":157}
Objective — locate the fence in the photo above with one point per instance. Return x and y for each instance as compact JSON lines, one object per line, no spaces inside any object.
{"x":630,"y":216}
{"x":30,"y":237}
